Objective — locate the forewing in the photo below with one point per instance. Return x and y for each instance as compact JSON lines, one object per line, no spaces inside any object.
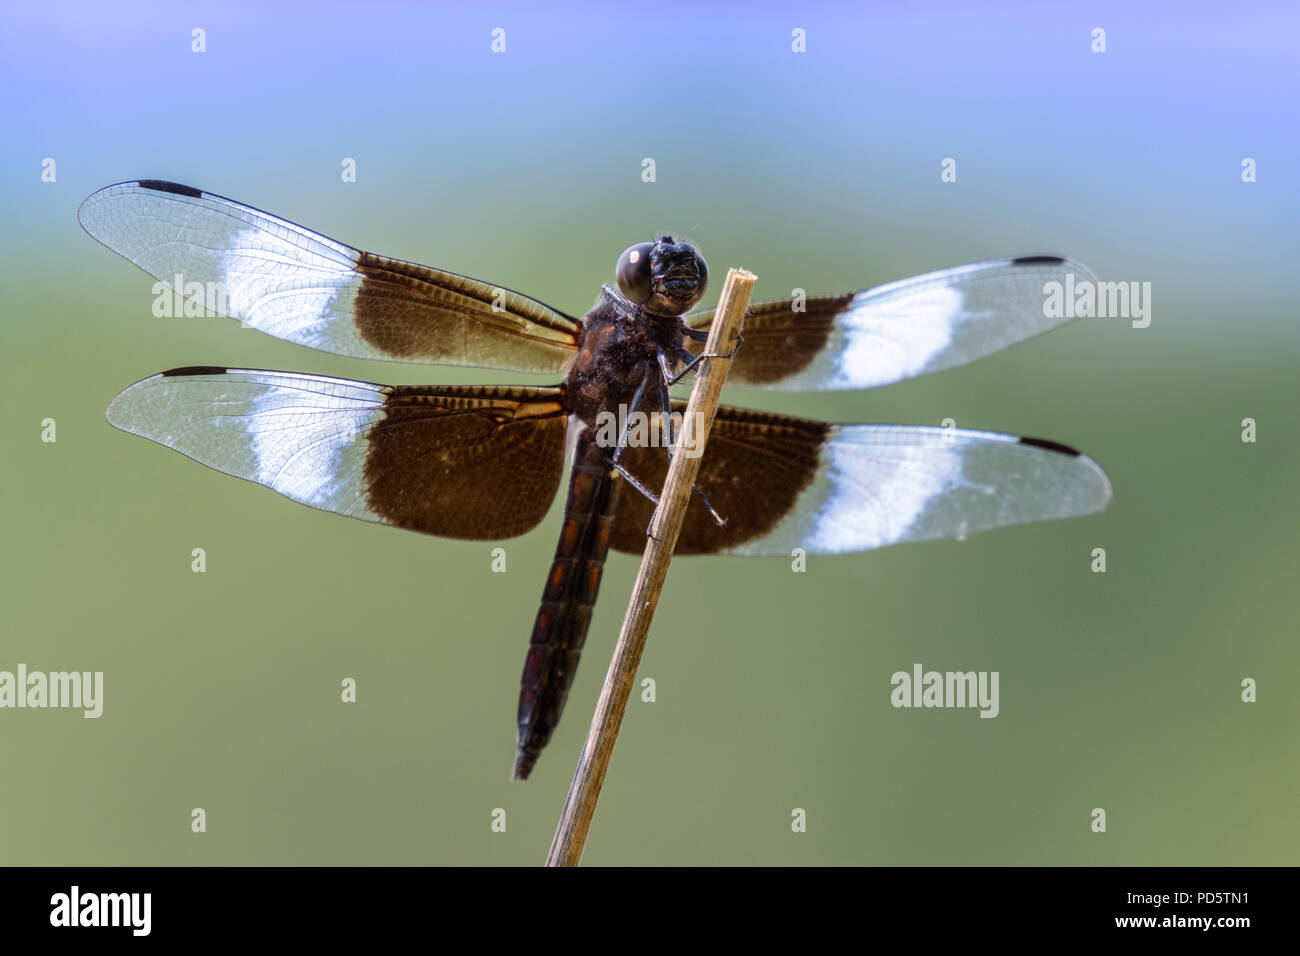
{"x":297,"y":285}
{"x":900,"y":330}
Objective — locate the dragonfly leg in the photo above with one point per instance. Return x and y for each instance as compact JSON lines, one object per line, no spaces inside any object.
{"x":654,"y":498}
{"x":627,"y":423}
{"x":665,"y":407}
{"x":636,"y":483}
{"x":702,"y":335}
{"x":666,"y":403}
{"x":691,"y":361}
{"x":666,"y":411}
{"x":717,"y":518}
{"x":671,"y":377}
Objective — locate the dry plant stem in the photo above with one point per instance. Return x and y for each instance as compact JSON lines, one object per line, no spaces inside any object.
{"x":584,"y":791}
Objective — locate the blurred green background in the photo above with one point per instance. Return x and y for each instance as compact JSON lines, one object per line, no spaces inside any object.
{"x":817,"y":170}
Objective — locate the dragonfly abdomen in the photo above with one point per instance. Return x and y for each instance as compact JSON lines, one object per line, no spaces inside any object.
{"x":565,"y":612}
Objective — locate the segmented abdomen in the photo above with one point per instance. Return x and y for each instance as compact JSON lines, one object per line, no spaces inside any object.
{"x":570,"y":592}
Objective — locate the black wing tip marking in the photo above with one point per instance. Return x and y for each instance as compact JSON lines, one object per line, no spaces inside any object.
{"x":1059,"y":262}
{"x":1055,"y":446}
{"x":194,"y":370}
{"x":157,"y":185}
{"x":163,"y":186}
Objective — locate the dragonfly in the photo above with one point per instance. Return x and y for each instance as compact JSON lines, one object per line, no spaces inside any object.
{"x":484,"y":462}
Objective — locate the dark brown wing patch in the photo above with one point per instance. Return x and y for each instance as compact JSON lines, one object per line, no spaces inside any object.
{"x":474,"y":462}
{"x":779,"y":342}
{"x":415,"y":313}
{"x":754,"y":468}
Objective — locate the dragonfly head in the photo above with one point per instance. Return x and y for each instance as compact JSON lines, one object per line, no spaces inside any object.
{"x":664,"y":277}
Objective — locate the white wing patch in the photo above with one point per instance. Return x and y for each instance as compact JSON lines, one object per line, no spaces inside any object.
{"x":277,"y":276}
{"x":292,"y":292}
{"x":934,"y":321}
{"x":875,"y":353}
